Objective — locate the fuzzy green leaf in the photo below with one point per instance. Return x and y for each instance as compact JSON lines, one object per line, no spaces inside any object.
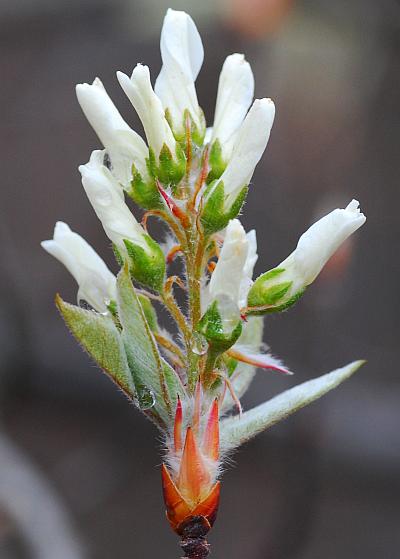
{"x":99,"y":336}
{"x":150,"y":371}
{"x":236,"y":431}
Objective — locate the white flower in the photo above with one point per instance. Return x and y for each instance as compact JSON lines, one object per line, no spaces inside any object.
{"x":250,"y":143}
{"x":235,"y":94}
{"x":107,"y":199}
{"x":182,"y":55}
{"x":234,"y":269}
{"x":319,"y":243}
{"x":148,"y":106}
{"x":303,"y":265}
{"x":124,"y":146}
{"x":97,"y":285}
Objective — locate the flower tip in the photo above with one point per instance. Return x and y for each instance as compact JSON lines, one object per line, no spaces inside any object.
{"x":174,"y":15}
{"x":61,"y":227}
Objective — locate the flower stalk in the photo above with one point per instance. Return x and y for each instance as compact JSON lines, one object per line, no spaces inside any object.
{"x":195,"y":183}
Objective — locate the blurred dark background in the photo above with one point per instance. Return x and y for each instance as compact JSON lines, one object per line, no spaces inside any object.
{"x":79,"y":467}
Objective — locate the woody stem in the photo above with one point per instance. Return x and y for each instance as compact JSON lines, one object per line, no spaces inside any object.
{"x":195,"y":547}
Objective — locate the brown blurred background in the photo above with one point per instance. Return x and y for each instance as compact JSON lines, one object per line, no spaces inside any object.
{"x":79,"y":475}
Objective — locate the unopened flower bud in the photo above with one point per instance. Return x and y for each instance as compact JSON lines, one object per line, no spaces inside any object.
{"x":167,"y":159}
{"x":182,"y":55}
{"x":281,"y":287}
{"x":126,"y":150}
{"x":235,"y":94}
{"x":146,"y":259}
{"x":97,"y":285}
{"x":224,"y":197}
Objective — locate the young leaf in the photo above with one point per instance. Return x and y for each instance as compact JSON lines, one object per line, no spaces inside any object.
{"x":236,"y":431}
{"x":153,"y":377}
{"x":101,"y":339}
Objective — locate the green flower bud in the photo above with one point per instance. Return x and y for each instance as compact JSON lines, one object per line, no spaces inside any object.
{"x":216,"y":162}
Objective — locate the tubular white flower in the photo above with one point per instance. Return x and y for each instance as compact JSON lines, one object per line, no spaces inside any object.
{"x":234,"y":269}
{"x":124,"y":146}
{"x":148,"y":106}
{"x":97,"y":285}
{"x":250,"y":143}
{"x":248,"y":269}
{"x":302,"y":266}
{"x":227,"y":276}
{"x":107,"y":199}
{"x":235,"y":94}
{"x":182,"y":55}
{"x":320,"y":242}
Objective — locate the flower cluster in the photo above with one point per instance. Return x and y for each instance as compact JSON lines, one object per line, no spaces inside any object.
{"x":195,"y":179}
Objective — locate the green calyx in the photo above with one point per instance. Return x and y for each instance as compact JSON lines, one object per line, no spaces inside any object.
{"x":197,"y":133}
{"x":146,"y":265}
{"x":214,"y":216}
{"x":144,"y":194}
{"x":216,"y":162}
{"x":268,"y":294}
{"x":169,"y":168}
{"x":211,"y":326}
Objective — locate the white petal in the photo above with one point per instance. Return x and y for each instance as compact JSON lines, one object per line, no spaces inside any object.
{"x":236,"y":431}
{"x":107,"y":199}
{"x":227,"y":277}
{"x":251,"y":141}
{"x":235,"y":94}
{"x":148,"y":106}
{"x":324,"y":237}
{"x":97,"y":285}
{"x":182,"y":55}
{"x":248,"y":268}
{"x":317,"y":245}
{"x":124,"y":146}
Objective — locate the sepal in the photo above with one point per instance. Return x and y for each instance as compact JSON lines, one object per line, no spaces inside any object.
{"x":216,"y":162}
{"x":216,"y":212}
{"x":146,"y":265}
{"x":171,"y":169}
{"x":270,"y":293}
{"x":221,"y":324}
{"x":144,"y":194}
